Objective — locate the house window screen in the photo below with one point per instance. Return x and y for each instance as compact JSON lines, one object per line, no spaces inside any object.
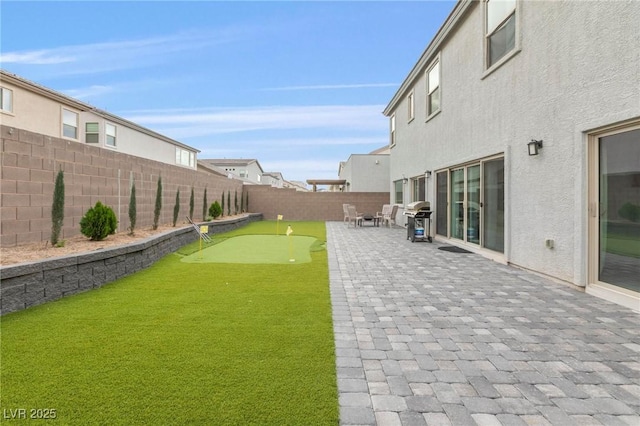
{"x":110,"y":131}
{"x":92,"y":132}
{"x":69,"y":124}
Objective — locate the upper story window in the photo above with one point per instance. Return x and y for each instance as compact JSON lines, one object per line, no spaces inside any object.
{"x":110,"y":133}
{"x":92,"y":132}
{"x":501,"y":29}
{"x":185,"y":158}
{"x":392,"y":124}
{"x":69,"y":124}
{"x":410,"y":106}
{"x":433,"y":88}
{"x":6,"y":99}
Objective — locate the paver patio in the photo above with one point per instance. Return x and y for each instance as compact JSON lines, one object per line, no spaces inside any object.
{"x":425,"y":336}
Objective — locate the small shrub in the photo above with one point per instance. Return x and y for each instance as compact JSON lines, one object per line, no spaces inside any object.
{"x":99,"y":222}
{"x":630,"y":212}
{"x":215,"y":210}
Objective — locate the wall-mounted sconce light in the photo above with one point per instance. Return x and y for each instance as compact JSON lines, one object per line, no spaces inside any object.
{"x":427,"y":173}
{"x":404,"y":179}
{"x":377,"y":161}
{"x":534,"y":146}
{"x":11,"y":130}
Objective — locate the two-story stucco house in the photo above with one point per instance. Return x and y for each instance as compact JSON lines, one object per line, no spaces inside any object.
{"x":29,"y":106}
{"x":523,"y":120}
{"x":248,"y":170}
{"x":366,"y":172}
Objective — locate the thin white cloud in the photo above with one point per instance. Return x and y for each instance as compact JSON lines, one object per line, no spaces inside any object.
{"x":330,"y":87}
{"x":117,"y":55}
{"x":89,"y":92}
{"x":192,"y":123}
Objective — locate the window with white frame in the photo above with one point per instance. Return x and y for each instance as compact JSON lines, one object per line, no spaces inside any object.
{"x":418,"y":193}
{"x":399,"y":195}
{"x":433,"y":88}
{"x":392,"y":124}
{"x":6,"y":99}
{"x":69,"y":124}
{"x":500,"y":29}
{"x":410,"y":106}
{"x":185,"y":158}
{"x":110,"y":133}
{"x":91,"y":132}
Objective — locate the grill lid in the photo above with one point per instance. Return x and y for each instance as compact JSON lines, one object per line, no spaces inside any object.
{"x":418,"y":205}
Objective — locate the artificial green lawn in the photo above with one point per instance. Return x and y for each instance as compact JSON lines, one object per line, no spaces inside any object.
{"x":182,"y":343}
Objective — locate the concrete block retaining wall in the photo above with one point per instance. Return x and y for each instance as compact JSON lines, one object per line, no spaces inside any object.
{"x":34,"y":283}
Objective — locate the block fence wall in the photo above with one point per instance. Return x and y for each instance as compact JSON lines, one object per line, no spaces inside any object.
{"x":30,"y":162}
{"x":34,"y":283}
{"x":296,"y":205}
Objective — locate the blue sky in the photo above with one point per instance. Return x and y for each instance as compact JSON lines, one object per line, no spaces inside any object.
{"x":297,"y":85}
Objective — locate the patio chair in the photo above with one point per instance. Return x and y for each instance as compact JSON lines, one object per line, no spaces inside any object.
{"x":386,"y":210}
{"x":345,"y":210}
{"x":390,"y":218}
{"x":354,"y":216}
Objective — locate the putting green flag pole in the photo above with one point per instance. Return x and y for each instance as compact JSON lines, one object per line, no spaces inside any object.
{"x":289,"y":232}
{"x":278,"y":224}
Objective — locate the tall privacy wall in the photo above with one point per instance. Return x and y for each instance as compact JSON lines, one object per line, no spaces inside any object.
{"x":31,"y":161}
{"x":295,"y":205}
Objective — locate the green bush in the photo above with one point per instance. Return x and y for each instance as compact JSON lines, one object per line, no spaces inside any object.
{"x":222,"y":203}
{"x":630,"y":212}
{"x":99,"y":222}
{"x":215,"y":210}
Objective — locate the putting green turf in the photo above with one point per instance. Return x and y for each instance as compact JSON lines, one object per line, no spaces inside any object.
{"x":180,"y":343}
{"x":256,"y":249}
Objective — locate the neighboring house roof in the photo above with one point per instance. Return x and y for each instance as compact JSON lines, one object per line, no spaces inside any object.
{"x":443,"y":33}
{"x":231,"y":162}
{"x":276,"y":175}
{"x":82,"y":106}
{"x":381,"y":151}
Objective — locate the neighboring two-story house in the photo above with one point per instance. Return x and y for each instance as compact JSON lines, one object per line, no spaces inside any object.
{"x":29,"y":106}
{"x":248,"y":170}
{"x":366,"y":172}
{"x":520,"y":124}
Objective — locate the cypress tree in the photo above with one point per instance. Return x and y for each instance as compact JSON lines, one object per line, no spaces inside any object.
{"x":204,"y":206}
{"x":229,"y":202}
{"x":158,"y":207}
{"x":235,"y":202}
{"x":57,"y":209}
{"x":246,"y":203}
{"x":191,"y":204}
{"x":242,"y":202}
{"x":133,"y":215}
{"x":222,"y":204}
{"x":176,"y":208}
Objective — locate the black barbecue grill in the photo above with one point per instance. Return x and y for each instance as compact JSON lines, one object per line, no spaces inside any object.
{"x":419,"y":221}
